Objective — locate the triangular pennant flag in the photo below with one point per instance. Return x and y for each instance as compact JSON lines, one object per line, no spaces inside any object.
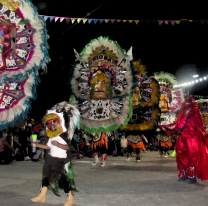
{"x":79,"y":20}
{"x":61,"y":19}
{"x":130,"y":21}
{"x":166,"y":22}
{"x":73,"y":20}
{"x":67,"y":20}
{"x":95,"y":21}
{"x":106,"y":20}
{"x":45,"y":18}
{"x":190,"y":20}
{"x":172,"y":22}
{"x":101,"y":21}
{"x":118,"y":20}
{"x":202,"y":22}
{"x":84,"y":20}
{"x":56,"y":19}
{"x":137,"y":21}
{"x":148,"y":22}
{"x":124,"y":20}
{"x":112,"y":20}
{"x":178,"y":22}
{"x":89,"y":21}
{"x":51,"y":18}
{"x":154,"y":21}
{"x":160,"y":22}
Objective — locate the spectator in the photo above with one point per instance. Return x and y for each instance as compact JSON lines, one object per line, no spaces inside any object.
{"x":9,"y":151}
{"x":3,"y":142}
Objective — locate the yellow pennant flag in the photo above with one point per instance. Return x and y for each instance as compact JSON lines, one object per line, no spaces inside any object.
{"x":73,"y":20}
{"x":78,"y":20}
{"x":130,"y":21}
{"x":190,"y":20}
{"x":84,"y":20}
{"x":137,"y":21}
{"x":124,"y":20}
{"x":178,"y":22}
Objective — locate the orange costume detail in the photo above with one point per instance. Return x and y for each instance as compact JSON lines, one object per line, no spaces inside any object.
{"x":99,"y":142}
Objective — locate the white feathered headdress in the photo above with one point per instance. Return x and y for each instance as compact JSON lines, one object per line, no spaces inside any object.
{"x":69,"y":115}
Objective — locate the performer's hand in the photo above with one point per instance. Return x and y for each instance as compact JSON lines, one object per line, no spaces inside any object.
{"x":54,"y":142}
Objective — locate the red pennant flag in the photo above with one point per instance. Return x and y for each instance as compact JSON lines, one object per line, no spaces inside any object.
{"x":172,"y":22}
{"x":160,"y":22}
{"x":106,"y":20}
{"x":118,"y":20}
{"x":67,"y":20}
{"x":166,"y":22}
{"x":112,"y":20}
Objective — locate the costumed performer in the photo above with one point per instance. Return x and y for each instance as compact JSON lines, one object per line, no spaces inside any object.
{"x":164,"y":145}
{"x":135,"y":142}
{"x":60,"y":123}
{"x":192,"y":143}
{"x":102,"y":84}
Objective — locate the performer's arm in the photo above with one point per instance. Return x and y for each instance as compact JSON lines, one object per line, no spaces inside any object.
{"x":42,"y":146}
{"x":62,"y":146}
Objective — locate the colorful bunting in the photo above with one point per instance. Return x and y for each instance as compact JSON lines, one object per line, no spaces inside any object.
{"x":73,"y":20}
{"x":56,"y":19}
{"x":160,"y":22}
{"x":84,"y":20}
{"x":78,"y":20}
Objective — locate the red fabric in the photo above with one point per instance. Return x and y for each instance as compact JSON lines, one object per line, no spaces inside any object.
{"x":192,"y":144}
{"x":37,"y":128}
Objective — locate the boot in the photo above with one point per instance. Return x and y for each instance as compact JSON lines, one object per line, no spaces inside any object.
{"x":96,"y":160}
{"x":191,"y":172}
{"x":70,"y":200}
{"x":184,"y":175}
{"x":41,"y":196}
{"x":104,"y":157}
{"x":128,"y":157}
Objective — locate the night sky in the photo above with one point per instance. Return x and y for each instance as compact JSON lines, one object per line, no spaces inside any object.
{"x":179,"y":49}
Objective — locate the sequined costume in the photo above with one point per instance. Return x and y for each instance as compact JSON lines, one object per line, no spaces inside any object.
{"x":192,"y":143}
{"x":164,"y":144}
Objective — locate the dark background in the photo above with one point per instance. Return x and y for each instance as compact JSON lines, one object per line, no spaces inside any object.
{"x":179,"y":49}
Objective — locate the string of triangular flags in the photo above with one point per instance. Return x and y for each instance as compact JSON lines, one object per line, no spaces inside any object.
{"x":199,"y":97}
{"x":89,"y":20}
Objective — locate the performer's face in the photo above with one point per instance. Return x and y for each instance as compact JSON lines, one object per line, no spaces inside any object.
{"x":56,"y":125}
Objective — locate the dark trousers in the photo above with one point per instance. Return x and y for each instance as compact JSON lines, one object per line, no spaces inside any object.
{"x":101,"y":149}
{"x":130,"y":149}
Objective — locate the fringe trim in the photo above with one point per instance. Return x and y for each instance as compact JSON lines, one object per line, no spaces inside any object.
{"x":166,"y":144}
{"x":191,"y":172}
{"x":103,"y":141}
{"x":138,"y":145}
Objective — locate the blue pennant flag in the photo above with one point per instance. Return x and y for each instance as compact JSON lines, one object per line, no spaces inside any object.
{"x":202,"y":22}
{"x":45,"y":18}
{"x":51,"y":19}
{"x":89,"y":21}
{"x":101,"y":21}
{"x":95,"y":21}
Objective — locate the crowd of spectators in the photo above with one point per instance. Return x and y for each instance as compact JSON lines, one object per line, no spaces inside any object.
{"x":15,"y":143}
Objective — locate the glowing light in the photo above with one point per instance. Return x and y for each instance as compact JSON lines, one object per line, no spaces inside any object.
{"x":192,"y":82}
{"x":195,"y":76}
{"x":200,"y":79}
{"x":197,"y":81}
{"x":205,"y":78}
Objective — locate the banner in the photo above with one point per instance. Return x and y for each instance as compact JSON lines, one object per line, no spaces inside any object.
{"x":89,"y":20}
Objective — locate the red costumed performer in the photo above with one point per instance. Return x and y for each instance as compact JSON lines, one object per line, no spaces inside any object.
{"x":192,"y":143}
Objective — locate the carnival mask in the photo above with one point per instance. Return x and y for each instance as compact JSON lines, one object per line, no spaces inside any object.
{"x":101,"y":86}
{"x":53,"y":124}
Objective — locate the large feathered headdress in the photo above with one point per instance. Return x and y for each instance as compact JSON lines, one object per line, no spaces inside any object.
{"x":68,"y":117}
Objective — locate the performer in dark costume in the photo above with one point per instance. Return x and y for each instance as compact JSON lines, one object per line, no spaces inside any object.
{"x":60,"y":123}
